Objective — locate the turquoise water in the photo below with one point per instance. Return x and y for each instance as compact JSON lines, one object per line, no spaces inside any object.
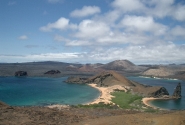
{"x":28,"y":91}
{"x":169,"y":85}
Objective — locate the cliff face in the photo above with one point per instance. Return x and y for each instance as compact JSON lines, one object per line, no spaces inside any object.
{"x":177,"y":91}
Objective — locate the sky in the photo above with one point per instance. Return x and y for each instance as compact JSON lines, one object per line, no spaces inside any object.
{"x":92,"y":31}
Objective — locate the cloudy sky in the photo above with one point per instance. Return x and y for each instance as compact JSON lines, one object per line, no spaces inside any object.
{"x":90,"y":31}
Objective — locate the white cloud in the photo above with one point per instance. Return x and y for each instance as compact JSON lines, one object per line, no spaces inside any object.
{"x":128,"y":5}
{"x":154,"y":53}
{"x":78,"y":43}
{"x":179,"y":13}
{"x":85,"y":11}
{"x":23,"y":37}
{"x":141,"y":23}
{"x":165,"y":52}
{"x":91,"y":29}
{"x":60,"y":24}
{"x":156,"y":8}
{"x":178,"y":31}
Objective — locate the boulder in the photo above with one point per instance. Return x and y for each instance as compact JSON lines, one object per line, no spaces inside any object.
{"x":52,"y":72}
{"x":177,"y":91}
{"x":21,"y":73}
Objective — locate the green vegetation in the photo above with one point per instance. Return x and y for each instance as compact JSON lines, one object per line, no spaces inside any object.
{"x":126,"y":100}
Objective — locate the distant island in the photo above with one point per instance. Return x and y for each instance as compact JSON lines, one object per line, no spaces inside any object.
{"x":124,"y":67}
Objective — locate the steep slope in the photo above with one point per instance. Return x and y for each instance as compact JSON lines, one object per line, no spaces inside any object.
{"x":110,"y":78}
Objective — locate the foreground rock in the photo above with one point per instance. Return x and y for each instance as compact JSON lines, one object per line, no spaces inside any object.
{"x":52,"y":72}
{"x":177,"y":91}
{"x":84,"y":116}
{"x":21,"y":73}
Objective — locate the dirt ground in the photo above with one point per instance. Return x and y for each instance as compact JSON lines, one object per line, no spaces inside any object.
{"x":83,"y":116}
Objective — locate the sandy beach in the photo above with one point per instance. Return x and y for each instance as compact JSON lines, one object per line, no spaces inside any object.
{"x":148,"y":99}
{"x":105,"y":93}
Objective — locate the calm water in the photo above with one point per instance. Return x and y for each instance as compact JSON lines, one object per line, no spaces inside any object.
{"x":169,"y":85}
{"x":29,"y":91}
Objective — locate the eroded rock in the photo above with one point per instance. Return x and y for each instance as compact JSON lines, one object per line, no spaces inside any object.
{"x":177,"y":91}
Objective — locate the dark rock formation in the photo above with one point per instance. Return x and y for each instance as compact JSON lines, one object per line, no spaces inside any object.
{"x":52,"y":72}
{"x":161,"y":92}
{"x":21,"y":73}
{"x":76,"y":80}
{"x":177,"y":91}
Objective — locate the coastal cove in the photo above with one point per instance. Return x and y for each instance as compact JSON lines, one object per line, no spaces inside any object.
{"x":169,"y":84}
{"x":43,"y":91}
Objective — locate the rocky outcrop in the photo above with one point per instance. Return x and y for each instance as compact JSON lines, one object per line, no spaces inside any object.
{"x":161,"y":92}
{"x":21,"y":73}
{"x":77,"y":80}
{"x":52,"y":72}
{"x":177,"y":91}
{"x":103,"y":79}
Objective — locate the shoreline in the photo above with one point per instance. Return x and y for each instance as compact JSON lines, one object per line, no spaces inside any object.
{"x":105,"y":96}
{"x":105,"y":93}
{"x":146,"y":101}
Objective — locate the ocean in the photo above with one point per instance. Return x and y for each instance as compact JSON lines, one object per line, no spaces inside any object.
{"x":170,"y":85}
{"x":39,"y":91}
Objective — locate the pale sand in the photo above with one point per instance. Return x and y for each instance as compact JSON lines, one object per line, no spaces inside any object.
{"x":148,"y":99}
{"x":105,"y":93}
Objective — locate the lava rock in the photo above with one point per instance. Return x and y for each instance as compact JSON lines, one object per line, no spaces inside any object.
{"x":21,"y":73}
{"x":52,"y":72}
{"x":177,"y":91}
{"x":160,"y":92}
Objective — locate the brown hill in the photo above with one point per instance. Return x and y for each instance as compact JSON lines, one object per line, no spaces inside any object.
{"x":123,"y":65}
{"x":91,"y":68}
{"x":109,"y":78}
{"x":118,"y":65}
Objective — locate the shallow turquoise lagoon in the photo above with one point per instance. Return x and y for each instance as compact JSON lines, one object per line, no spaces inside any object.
{"x":38,"y":91}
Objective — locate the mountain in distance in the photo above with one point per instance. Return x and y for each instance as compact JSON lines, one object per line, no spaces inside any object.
{"x":91,"y":67}
{"x":123,"y":65}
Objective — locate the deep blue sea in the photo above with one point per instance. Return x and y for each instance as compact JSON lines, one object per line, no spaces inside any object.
{"x":38,"y":91}
{"x":169,"y":85}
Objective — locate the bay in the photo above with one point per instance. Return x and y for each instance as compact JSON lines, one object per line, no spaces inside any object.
{"x":170,"y":85}
{"x":39,"y":91}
